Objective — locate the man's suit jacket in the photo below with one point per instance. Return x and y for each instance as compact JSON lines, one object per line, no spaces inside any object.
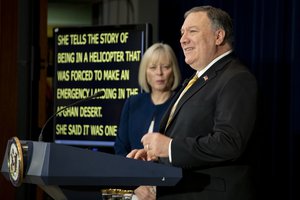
{"x":211,"y":129}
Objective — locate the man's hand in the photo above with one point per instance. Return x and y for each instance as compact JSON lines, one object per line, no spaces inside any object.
{"x":156,"y":145}
{"x":145,"y":193}
{"x":139,"y":154}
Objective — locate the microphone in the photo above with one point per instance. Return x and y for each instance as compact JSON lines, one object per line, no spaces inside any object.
{"x":72,"y":104}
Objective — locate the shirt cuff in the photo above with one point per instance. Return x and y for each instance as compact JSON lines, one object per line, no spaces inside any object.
{"x":170,"y":153}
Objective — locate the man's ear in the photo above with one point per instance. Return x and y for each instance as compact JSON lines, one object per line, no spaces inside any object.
{"x":220,"y":35}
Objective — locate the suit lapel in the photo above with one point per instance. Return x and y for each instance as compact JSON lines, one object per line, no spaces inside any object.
{"x":209,"y":75}
{"x":198,"y":85}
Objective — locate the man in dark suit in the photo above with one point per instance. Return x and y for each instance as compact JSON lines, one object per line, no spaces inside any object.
{"x":207,"y":129}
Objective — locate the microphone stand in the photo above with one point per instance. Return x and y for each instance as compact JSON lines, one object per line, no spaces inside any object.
{"x":40,"y":139}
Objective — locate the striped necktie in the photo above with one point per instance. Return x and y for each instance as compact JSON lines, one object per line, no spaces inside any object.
{"x":190,"y":83}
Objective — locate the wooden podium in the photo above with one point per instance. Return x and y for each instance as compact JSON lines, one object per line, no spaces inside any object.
{"x":66,"y":172}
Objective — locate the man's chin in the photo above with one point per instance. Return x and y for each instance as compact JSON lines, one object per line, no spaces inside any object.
{"x":188,"y":61}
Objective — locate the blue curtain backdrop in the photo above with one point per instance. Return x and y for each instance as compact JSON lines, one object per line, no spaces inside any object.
{"x":267,"y":40}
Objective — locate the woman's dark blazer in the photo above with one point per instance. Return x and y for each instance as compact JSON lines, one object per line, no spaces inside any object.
{"x":211,"y":129}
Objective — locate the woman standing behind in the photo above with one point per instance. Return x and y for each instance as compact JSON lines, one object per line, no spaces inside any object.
{"x":159,"y":76}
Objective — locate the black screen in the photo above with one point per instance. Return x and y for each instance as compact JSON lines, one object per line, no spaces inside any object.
{"x":89,"y":60}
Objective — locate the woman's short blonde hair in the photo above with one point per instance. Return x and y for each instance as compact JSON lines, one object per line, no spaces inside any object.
{"x":153,"y":53}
